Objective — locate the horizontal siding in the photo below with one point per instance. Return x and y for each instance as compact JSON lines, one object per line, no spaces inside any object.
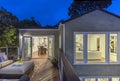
{"x":95,"y":21}
{"x":98,"y":69}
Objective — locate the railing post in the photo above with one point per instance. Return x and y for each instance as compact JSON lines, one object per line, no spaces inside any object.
{"x":18,"y":53}
{"x":7,"y":51}
{"x":62,"y":71}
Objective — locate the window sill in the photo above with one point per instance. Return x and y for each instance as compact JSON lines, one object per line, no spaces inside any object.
{"x":96,"y":63}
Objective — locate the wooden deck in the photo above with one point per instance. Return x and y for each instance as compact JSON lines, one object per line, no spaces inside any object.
{"x":44,"y":71}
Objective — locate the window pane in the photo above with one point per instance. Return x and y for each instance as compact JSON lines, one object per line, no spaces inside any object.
{"x":113,"y":47}
{"x":27,"y":46}
{"x":102,"y":79}
{"x":115,"y":79}
{"x":79,"y":47}
{"x":96,"y":47}
{"x":90,"y":79}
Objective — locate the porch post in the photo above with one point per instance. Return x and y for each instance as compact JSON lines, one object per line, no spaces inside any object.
{"x":85,"y":52}
{"x":118,"y":49}
{"x":107,"y":55}
{"x":22,"y":47}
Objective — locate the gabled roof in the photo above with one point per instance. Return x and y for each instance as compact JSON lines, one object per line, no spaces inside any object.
{"x":90,"y":12}
{"x":34,"y":27}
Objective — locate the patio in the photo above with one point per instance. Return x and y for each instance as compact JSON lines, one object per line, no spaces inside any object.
{"x":44,"y":71}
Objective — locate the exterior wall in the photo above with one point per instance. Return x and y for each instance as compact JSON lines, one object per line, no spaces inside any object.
{"x":40,"y":32}
{"x":61,"y":36}
{"x":98,"y":69}
{"x":96,"y":21}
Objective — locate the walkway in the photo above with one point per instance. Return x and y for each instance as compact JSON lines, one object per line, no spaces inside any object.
{"x":44,"y":71}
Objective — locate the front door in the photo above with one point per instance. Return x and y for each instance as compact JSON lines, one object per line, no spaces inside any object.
{"x":27,"y":47}
{"x":50,"y":46}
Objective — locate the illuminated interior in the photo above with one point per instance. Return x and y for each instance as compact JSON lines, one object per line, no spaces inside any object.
{"x":39,"y":46}
{"x":96,"y":47}
{"x":79,"y":47}
{"x":100,"y":79}
{"x":113,"y":47}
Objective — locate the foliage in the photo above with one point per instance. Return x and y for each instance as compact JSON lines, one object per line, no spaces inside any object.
{"x":29,"y":23}
{"x":82,"y":6}
{"x":9,"y":37}
{"x":54,"y":61}
{"x":8,"y":31}
{"x":7,"y":18}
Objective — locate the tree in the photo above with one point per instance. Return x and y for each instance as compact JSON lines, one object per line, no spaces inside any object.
{"x":8,"y":31}
{"x":9,"y":37}
{"x":7,"y":18}
{"x":82,"y":6}
{"x":28,"y":23}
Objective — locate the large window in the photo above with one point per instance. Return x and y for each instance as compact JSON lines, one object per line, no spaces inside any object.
{"x":96,"y":47}
{"x":102,"y":79}
{"x":99,"y":78}
{"x":115,"y":79}
{"x":113,"y":47}
{"x":79,"y":47}
{"x":90,"y":79}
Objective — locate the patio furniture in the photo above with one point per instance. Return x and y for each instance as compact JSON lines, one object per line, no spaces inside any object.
{"x":15,"y":71}
{"x":42,"y":50}
{"x":23,"y":78}
{"x":4,"y":61}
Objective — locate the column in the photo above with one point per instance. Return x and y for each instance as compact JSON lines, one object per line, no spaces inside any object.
{"x":85,"y":52}
{"x":107,"y":55}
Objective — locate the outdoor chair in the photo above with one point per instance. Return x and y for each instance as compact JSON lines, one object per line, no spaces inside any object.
{"x":24,"y":78}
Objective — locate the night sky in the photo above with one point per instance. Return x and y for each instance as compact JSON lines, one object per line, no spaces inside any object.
{"x":46,"y":11}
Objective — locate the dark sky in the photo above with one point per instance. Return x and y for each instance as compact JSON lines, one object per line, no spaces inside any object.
{"x":46,"y":11}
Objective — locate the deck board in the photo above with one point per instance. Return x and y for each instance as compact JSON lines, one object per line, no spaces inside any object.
{"x":44,"y":71}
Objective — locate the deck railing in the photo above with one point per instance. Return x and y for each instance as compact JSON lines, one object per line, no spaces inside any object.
{"x":7,"y":52}
{"x":66,"y":70}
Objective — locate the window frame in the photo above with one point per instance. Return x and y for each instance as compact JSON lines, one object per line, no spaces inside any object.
{"x":107,"y":44}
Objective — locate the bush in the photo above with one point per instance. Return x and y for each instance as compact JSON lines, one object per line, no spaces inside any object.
{"x":55,"y":61}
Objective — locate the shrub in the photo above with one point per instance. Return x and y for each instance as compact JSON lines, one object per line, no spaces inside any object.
{"x":55,"y":61}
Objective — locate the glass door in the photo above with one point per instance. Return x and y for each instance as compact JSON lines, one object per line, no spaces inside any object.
{"x":50,"y":46}
{"x":27,"y":47}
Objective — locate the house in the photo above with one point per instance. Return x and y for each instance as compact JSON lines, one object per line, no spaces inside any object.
{"x":32,"y":40}
{"x":90,"y":42}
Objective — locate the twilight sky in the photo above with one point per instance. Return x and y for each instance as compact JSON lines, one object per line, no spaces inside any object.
{"x":46,"y":11}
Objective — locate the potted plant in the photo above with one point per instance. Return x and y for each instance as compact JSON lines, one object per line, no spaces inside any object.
{"x":55,"y":61}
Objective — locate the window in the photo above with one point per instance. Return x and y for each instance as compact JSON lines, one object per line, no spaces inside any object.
{"x":113,"y":48}
{"x":90,"y":79}
{"x":115,"y":79}
{"x":79,"y":47}
{"x":102,"y":79}
{"x":96,"y":47}
{"x":99,"y":78}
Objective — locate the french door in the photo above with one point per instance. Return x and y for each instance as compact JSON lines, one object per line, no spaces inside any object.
{"x":27,"y":47}
{"x":50,"y":47}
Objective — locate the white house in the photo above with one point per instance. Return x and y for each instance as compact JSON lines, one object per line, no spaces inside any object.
{"x":91,"y":43}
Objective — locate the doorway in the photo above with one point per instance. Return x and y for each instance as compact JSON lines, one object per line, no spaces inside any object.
{"x":38,"y":46}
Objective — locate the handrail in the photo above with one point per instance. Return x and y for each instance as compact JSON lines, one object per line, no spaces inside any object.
{"x":11,"y":47}
{"x":67,"y":72}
